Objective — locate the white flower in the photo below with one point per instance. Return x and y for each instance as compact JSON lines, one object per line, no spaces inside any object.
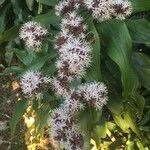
{"x":33,"y":34}
{"x":60,"y":86}
{"x":101,"y":9}
{"x":73,"y":102}
{"x":75,"y":56}
{"x":95,"y":94}
{"x":32,"y":83}
{"x":66,"y":6}
{"x":74,"y":24}
{"x":74,"y":139}
{"x":121,"y":9}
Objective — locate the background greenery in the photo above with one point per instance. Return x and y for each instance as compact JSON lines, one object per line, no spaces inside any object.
{"x":121,"y":51}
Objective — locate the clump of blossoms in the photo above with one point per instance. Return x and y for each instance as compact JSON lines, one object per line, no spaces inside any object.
{"x":121,"y":9}
{"x":33,"y":35}
{"x":74,"y":58}
{"x":33,"y":83}
{"x":106,"y":9}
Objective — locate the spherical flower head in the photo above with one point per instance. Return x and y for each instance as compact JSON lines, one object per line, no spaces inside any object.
{"x":121,"y":9}
{"x":61,"y":38}
{"x":75,"y":140}
{"x":60,"y":86}
{"x":66,"y":6}
{"x":32,"y":84}
{"x":74,"y":23}
{"x":33,"y":34}
{"x":101,"y":9}
{"x":61,"y":121}
{"x":75,"y":56}
{"x":94,"y":94}
{"x":73,"y":102}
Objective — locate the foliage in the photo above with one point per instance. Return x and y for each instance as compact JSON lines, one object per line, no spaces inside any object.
{"x":120,"y":59}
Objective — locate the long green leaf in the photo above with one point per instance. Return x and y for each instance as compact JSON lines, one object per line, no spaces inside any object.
{"x":19,"y":111}
{"x":140,"y":5}
{"x":142,"y":66}
{"x":139,"y":30}
{"x":23,"y":56}
{"x":94,"y":71}
{"x":9,"y":34}
{"x":118,"y":44}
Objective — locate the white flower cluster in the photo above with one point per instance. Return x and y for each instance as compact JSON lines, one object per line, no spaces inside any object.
{"x":121,"y":9}
{"x":106,"y":9}
{"x":74,"y":58}
{"x":64,"y":130}
{"x":64,"y":124}
{"x":74,"y":24}
{"x":32,"y":83}
{"x":66,"y":6}
{"x":60,"y":86}
{"x":94,"y":94}
{"x":33,"y":34}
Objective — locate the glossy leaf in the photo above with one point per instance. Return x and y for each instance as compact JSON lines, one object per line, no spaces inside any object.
{"x":118,"y":45}
{"x":139,"y":30}
{"x":142,"y":66}
{"x":94,"y":71}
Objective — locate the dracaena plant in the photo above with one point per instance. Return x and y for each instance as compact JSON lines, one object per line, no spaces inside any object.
{"x":79,"y":76}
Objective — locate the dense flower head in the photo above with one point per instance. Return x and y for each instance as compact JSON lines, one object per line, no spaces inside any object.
{"x":75,"y":56}
{"x":60,"y":86}
{"x":73,"y":102}
{"x":94,"y":94}
{"x":121,"y":9}
{"x":33,"y":34}
{"x":101,"y":9}
{"x":32,"y":83}
{"x":65,"y":131}
{"x":74,"y":23}
{"x":66,"y":6}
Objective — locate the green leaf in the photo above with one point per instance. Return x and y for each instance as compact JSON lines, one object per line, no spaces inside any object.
{"x":130,"y":120}
{"x":50,"y":69}
{"x":94,"y":71}
{"x":115,"y":104}
{"x":40,"y":60}
{"x":49,"y":2}
{"x":2,"y":17}
{"x":140,"y":103}
{"x":118,"y":45}
{"x":139,"y":30}
{"x":30,"y":4}
{"x":140,"y":5}
{"x":120,"y":122}
{"x":9,"y":34}
{"x":13,"y":69}
{"x":17,"y":115}
{"x":42,"y":117}
{"x":48,"y":18}
{"x":23,"y":56}
{"x":141,"y":64}
{"x":2,"y":1}
{"x":99,"y":131}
